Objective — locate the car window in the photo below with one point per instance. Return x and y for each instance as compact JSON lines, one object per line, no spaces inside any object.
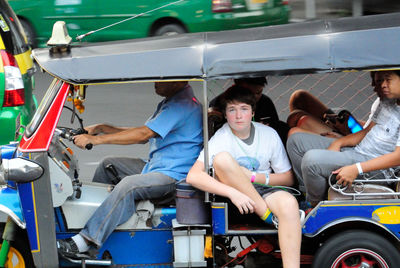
{"x":11,"y":30}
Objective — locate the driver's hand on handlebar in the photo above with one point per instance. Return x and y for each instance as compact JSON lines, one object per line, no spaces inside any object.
{"x":346,"y":175}
{"x":83,"y":140}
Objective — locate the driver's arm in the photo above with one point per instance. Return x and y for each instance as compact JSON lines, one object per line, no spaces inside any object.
{"x":133,"y":135}
{"x":103,"y":129}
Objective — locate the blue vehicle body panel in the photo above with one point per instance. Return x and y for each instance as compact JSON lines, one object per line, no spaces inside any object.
{"x":152,"y":247}
{"x":9,"y":199}
{"x":8,"y":150}
{"x":148,"y":248}
{"x":29,"y":210}
{"x":386,"y":215}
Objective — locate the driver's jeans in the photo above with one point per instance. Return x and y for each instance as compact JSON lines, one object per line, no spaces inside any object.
{"x":119,"y":206}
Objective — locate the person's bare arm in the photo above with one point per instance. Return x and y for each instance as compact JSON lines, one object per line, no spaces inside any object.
{"x":350,"y":140}
{"x":201,"y":180}
{"x":103,"y":129}
{"x":347,"y":174}
{"x":284,"y":179}
{"x":132,"y":135}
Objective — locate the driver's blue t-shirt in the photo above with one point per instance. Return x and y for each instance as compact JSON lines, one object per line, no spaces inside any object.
{"x":178,"y":123}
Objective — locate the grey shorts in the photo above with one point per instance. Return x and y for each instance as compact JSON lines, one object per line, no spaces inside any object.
{"x":265,"y":191}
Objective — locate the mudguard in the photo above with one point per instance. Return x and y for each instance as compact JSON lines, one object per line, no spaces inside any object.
{"x":382,"y":213}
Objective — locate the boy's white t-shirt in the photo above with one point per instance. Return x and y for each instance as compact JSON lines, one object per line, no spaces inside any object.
{"x":374,"y":106}
{"x":264,"y":155}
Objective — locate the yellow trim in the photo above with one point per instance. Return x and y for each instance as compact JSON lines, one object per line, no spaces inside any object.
{"x":24,"y":61}
{"x":133,"y":82}
{"x":364,"y":205}
{"x":36,"y":221}
{"x":1,"y":62}
{"x":125,"y":82}
{"x":2,"y":46}
{"x":216,"y":207}
{"x":34,"y":208}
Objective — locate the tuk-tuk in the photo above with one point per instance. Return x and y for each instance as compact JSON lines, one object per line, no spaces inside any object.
{"x":42,"y":192}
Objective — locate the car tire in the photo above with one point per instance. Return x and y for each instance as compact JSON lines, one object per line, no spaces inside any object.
{"x":354,"y":247}
{"x":30,"y":33}
{"x":169,"y":29}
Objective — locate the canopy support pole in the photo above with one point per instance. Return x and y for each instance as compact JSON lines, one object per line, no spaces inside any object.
{"x":205,"y":132}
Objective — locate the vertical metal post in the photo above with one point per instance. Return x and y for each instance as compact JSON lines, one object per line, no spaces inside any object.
{"x":357,"y":8}
{"x":205,"y":131}
{"x":310,"y":9}
{"x":46,"y":253}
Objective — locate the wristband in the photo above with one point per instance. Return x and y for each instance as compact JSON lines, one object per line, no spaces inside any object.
{"x":360,"y":171}
{"x":253,"y":177}
{"x":266,"y":178}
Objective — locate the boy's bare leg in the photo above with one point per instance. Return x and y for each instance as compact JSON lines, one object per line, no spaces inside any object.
{"x":285,"y":207}
{"x":230,"y":173}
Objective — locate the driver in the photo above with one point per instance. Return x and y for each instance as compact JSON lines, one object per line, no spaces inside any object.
{"x":175,"y":135}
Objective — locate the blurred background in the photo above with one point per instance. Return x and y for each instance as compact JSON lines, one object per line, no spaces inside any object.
{"x":168,"y":17}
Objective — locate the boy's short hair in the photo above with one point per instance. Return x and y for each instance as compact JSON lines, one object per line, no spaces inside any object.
{"x":238,"y":94}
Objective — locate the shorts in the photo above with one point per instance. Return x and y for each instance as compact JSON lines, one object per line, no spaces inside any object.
{"x":265,"y":191}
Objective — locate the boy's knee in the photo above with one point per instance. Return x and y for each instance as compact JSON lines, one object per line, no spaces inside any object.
{"x":287,"y":206}
{"x":310,"y":159}
{"x":222,"y":160}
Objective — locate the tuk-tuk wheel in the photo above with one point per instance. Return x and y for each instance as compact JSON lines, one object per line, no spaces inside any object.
{"x":357,"y":248}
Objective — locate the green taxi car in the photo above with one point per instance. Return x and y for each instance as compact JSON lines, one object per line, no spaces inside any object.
{"x":17,"y":103}
{"x":83,"y":16}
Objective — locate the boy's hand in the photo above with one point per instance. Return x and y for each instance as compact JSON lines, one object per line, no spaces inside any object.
{"x":346,"y":175}
{"x":244,"y":203}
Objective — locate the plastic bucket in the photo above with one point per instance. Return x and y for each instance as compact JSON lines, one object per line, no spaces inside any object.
{"x":190,"y":206}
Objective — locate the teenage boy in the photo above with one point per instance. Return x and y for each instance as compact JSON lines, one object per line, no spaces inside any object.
{"x":376,"y":147}
{"x":243,"y":154}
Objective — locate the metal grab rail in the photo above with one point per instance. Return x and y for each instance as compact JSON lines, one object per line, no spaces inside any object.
{"x":358,"y":187}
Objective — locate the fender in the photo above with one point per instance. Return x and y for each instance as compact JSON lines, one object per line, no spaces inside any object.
{"x":330,"y":213}
{"x":11,"y":205}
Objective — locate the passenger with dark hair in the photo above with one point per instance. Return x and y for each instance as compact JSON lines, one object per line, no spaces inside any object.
{"x":376,"y":147}
{"x":249,"y":159}
{"x":265,"y":111}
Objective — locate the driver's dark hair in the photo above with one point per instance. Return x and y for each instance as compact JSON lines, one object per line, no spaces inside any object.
{"x":260,"y":81}
{"x":238,"y":94}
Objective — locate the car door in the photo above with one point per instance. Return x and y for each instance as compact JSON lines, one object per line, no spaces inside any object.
{"x":110,"y":12}
{"x":79,"y":15}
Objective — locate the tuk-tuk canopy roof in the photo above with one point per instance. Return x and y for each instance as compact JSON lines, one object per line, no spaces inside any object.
{"x":321,"y":46}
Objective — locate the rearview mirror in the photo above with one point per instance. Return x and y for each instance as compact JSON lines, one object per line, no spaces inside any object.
{"x":19,"y":170}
